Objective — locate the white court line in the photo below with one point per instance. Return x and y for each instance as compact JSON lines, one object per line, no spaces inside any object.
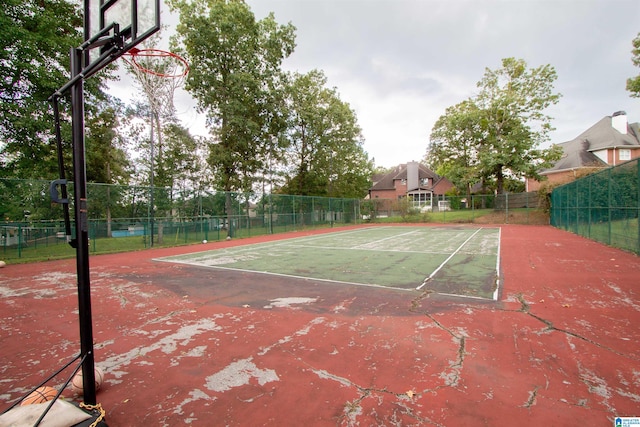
{"x":258,"y":246}
{"x":386,"y":238}
{"x":290,"y":242}
{"x":495,"y":293}
{"x":361,"y":249}
{"x":464,"y":296}
{"x":447,"y":260}
{"x":333,"y":234}
{"x":371,"y":285}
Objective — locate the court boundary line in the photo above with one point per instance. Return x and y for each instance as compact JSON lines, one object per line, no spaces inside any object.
{"x":496,"y":292}
{"x":268,"y":273}
{"x":447,"y":260}
{"x":281,"y":242}
{"x":325,"y":235}
{"x":303,"y":239}
{"x":386,"y":238}
{"x":300,"y":242}
{"x":357,"y":248}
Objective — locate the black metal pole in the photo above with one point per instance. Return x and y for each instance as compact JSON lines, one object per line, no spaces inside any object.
{"x":63,"y":178}
{"x":82,"y":229}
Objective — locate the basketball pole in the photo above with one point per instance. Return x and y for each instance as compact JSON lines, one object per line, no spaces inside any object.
{"x":82,"y":227}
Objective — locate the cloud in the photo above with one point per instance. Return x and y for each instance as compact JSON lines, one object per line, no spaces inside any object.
{"x":401,"y":63}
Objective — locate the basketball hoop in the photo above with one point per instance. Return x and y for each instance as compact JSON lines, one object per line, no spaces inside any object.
{"x":160,"y":73}
{"x":157,"y":62}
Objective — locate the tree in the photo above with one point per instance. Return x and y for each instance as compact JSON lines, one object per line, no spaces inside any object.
{"x":325,"y":153}
{"x":513,"y":99}
{"x":181,"y":168}
{"x":503,"y":126}
{"x":235,"y":71}
{"x":35,"y":37}
{"x":106,"y":158}
{"x":453,"y":148}
{"x":633,"y":83}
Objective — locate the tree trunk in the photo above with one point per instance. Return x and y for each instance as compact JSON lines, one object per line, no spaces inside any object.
{"x":499,"y":181}
{"x":227,"y":204}
{"x":109,"y":200}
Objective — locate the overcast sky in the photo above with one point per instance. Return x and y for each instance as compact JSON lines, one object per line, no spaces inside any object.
{"x":401,"y":63}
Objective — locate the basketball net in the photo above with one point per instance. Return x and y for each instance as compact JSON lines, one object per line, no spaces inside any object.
{"x":160,"y":73}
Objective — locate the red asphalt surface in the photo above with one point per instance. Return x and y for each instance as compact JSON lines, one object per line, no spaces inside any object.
{"x":185,"y":345}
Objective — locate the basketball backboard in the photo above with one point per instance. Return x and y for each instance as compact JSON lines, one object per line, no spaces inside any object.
{"x":137,"y":20}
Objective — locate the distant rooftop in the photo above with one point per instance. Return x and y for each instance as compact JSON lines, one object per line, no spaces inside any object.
{"x":579,"y":152}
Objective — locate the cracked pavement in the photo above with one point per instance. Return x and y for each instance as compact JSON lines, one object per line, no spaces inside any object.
{"x":184,"y":345}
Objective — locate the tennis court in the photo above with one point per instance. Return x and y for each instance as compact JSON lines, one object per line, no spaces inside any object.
{"x":461,"y":261}
{"x":221,"y":345}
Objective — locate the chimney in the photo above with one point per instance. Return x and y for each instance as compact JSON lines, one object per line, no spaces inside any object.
{"x":412,"y":175}
{"x":619,"y":122}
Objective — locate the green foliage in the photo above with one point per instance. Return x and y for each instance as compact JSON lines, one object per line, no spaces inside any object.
{"x":106,"y":158}
{"x":633,"y":83}
{"x":453,"y":150}
{"x":368,"y":209}
{"x":407,"y":209}
{"x":235,"y":80}
{"x":513,"y":100}
{"x":324,"y":151}
{"x":514,"y":185}
{"x":497,"y":134}
{"x":35,"y":38}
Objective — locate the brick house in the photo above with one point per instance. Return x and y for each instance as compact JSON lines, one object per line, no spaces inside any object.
{"x":413,"y":180}
{"x":609,"y":142}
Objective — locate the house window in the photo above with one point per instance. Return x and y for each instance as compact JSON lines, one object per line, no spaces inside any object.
{"x":625,"y":154}
{"x":403,"y":182}
{"x":424,"y":181}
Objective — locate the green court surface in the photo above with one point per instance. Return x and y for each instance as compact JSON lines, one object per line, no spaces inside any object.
{"x":462,"y":261}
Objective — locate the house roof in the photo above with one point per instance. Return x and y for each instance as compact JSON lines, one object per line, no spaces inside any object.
{"x":576,"y":155}
{"x":400,"y":172}
{"x":579,"y":152}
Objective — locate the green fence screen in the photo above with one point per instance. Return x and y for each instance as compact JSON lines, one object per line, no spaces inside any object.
{"x":603,"y":206}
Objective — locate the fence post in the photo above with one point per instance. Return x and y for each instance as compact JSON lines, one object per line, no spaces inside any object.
{"x":638,"y":207}
{"x":566,"y":208}
{"x":473,"y":207}
{"x":270,"y":215}
{"x":248,"y":219}
{"x":590,"y":207}
{"x":506,"y":208}
{"x":609,"y":209}
{"x":577,"y":191}
{"x":19,"y":241}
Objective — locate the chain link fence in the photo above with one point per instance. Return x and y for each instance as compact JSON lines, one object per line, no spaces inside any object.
{"x":511,"y":208}
{"x":123,"y":218}
{"x":126,"y":218}
{"x":603,"y":206}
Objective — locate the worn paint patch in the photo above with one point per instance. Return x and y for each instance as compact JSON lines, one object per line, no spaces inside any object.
{"x":239,"y":373}
{"x":304,"y":331}
{"x":289,"y":302}
{"x":168,"y":345}
{"x":194,"y":395}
